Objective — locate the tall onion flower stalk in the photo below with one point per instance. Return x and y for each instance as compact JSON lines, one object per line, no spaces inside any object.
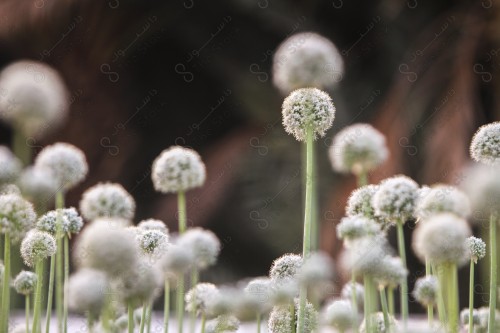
{"x":25,"y":284}
{"x":476,"y":249}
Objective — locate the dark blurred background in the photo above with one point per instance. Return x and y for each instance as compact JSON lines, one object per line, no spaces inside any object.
{"x":145,"y":75}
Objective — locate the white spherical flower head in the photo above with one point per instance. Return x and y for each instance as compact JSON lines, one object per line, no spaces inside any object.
{"x":178,"y":169}
{"x":358,"y":149}
{"x":37,"y":184}
{"x":87,"y":290}
{"x":464,"y":317}
{"x":378,"y":324}
{"x":281,"y":320}
{"x":107,"y":200}
{"x":426,"y":290}
{"x":176,"y":261}
{"x":33,"y":98}
{"x":260,"y":290}
{"x":66,"y":162}
{"x":396,"y":198}
{"x":152,"y":241}
{"x":199,"y":298}
{"x":476,"y":248}
{"x":316,"y":270}
{"x":347,"y":290}
{"x":307,"y":109}
{"x":70,"y":221}
{"x":222,"y":324}
{"x":441,"y":239}
{"x":340,"y":315}
{"x":284,"y":291}
{"x":482,"y":184}
{"x":37,"y":245}
{"x":351,"y":228}
{"x":204,"y":245}
{"x":139,"y":285}
{"x":360,"y":201}
{"x":17,"y":216}
{"x":153,"y":224}
{"x":25,"y":282}
{"x":306,"y":60}
{"x":485,"y":145}
{"x":392,"y":272}
{"x":285,"y":268}
{"x":366,"y":256}
{"x":11,"y":166}
{"x":443,"y":199}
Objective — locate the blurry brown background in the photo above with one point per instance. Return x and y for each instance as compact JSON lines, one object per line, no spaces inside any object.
{"x":425,"y":73}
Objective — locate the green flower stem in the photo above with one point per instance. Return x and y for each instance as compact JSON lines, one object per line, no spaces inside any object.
{"x":493,"y":273}
{"x":90,"y":322}
{"x":130,"y":318}
{"x":166,"y":306}
{"x":181,"y":205}
{"x":362,"y":179}
{"x":27,"y":311}
{"x":66,"y":279}
{"x":353,"y":294}
{"x":149,"y":316}
{"x":38,"y":296}
{"x":107,"y":311}
{"x":195,"y":276}
{"x":454,"y":308}
{"x":6,"y":285}
{"x":315,"y":228}
{"x":441,"y":294}
{"x":383,"y":301}
{"x":292,"y":315}
{"x":307,"y":223}
{"x":430,"y":308}
{"x":390,"y":292}
{"x":404,"y":283}
{"x":20,"y":147}
{"x":259,"y":319}
{"x":143,"y":317}
{"x":203,"y":322}
{"x":50,"y":294}
{"x":369,"y":301}
{"x":471,"y":296}
{"x":59,"y":264}
{"x":180,"y":303}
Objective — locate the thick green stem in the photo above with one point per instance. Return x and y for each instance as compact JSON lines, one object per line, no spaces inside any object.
{"x":354,"y":299}
{"x":90,"y":322}
{"x":390,"y":292}
{"x":454,"y":301}
{"x":143,"y":317}
{"x":66,"y":279}
{"x":50,"y":294}
{"x":471,"y":296}
{"x":27,"y":311}
{"x":6,"y":285}
{"x":442,"y":294}
{"x":59,"y":264}
{"x":315,"y":228}
{"x":362,"y":179}
{"x":149,"y":316}
{"x":192,"y":315}
{"x":166,"y":306}
{"x":493,"y":273}
{"x":20,"y":147}
{"x":430,"y":308}
{"x":259,"y":319}
{"x":131,"y":323}
{"x":385,"y":310}
{"x":368,"y":304}
{"x":38,"y":296}
{"x":302,"y":307}
{"x":404,"y":283}
{"x":203,"y":322}
{"x":180,"y":303}
{"x":181,"y":206}
{"x":292,"y":315}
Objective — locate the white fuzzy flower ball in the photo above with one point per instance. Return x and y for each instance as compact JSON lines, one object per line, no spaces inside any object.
{"x":259,"y":289}
{"x":153,"y":224}
{"x":204,"y":245}
{"x":17,"y":216}
{"x":476,"y":248}
{"x":152,"y":241}
{"x":37,"y":184}
{"x":367,"y":254}
{"x":25,"y":282}
{"x":426,"y":290}
{"x":443,"y":199}
{"x":71,"y":222}
{"x":10,"y":166}
{"x":316,"y":270}
{"x":281,"y":319}
{"x":340,"y":315}
{"x":139,"y":285}
{"x":485,"y":145}
{"x":66,"y":162}
{"x":33,"y":98}
{"x":441,"y":239}
{"x":351,"y":228}
{"x":360,"y":201}
{"x":359,"y":290}
{"x":178,"y":169}
{"x":37,"y":245}
{"x":482,"y":184}
{"x":392,"y":272}
{"x":199,"y":298}
{"x":107,"y":200}
{"x":87,"y":290}
{"x":306,"y":60}
{"x":307,"y":109}
{"x":176,"y":261}
{"x":358,"y":149}
{"x":285,"y":268}
{"x":396,"y":198}
{"x":222,"y":324}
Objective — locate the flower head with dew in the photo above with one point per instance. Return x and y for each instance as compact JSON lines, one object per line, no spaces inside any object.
{"x":37,"y":184}
{"x":396,"y":198}
{"x":199,"y":298}
{"x":316,"y":270}
{"x":11,"y":166}
{"x":346,"y":292}
{"x":285,"y":268}
{"x":176,"y":261}
{"x":306,"y":60}
{"x":152,"y":241}
{"x":441,"y":239}
{"x":112,"y":250}
{"x":34,"y":98}
{"x":281,"y":320}
{"x":222,"y":324}
{"x":443,"y":199}
{"x":352,"y":228}
{"x":307,"y":109}
{"x":17,"y":216}
{"x":37,"y":245}
{"x":87,"y":291}
{"x":392,"y":272}
{"x":178,"y":169}
{"x":482,"y":184}
{"x":153,"y":224}
{"x":464,"y":317}
{"x":25,"y":282}
{"x":485,"y":145}
{"x":107,"y":200}
{"x":140,"y":284}
{"x":367,"y":255}
{"x":259,"y":289}
{"x":476,"y":248}
{"x":71,"y":221}
{"x":358,"y":149}
{"x":360,"y":201}
{"x":378,"y":323}
{"x":340,"y":315}
{"x":67,"y":163}
{"x":204,"y":245}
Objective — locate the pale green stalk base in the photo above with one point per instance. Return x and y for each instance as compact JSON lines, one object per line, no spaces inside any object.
{"x":259,"y":319}
{"x":390,"y":292}
{"x":149,"y":316}
{"x":192,"y":314}
{"x":370,"y":301}
{"x":315,"y":227}
{"x":430,"y":308}
{"x":203,"y":322}
{"x":143,"y":317}
{"x":20,"y":147}
{"x":362,"y":179}
{"x":493,"y":273}
{"x":38,"y":296}
{"x":166,"y":306}
{"x":4,"y":318}
{"x":180,"y":303}
{"x":385,"y":310}
{"x":471,"y":297}
{"x":404,"y":283}
{"x":453,"y":295}
{"x":181,"y":205}
{"x":354,"y":299}
{"x":59,"y":265}
{"x":27,"y":311}
{"x":442,"y":294}
{"x":131,"y":323}
{"x":66,"y":279}
{"x":292,"y":315}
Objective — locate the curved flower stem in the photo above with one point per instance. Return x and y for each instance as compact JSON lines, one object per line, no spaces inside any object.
{"x":59,"y":263}
{"x":27,"y":311}
{"x":4,"y":326}
{"x":143,"y":317}
{"x":38,"y":296}
{"x":493,"y":273}
{"x":404,"y":283}
{"x":66,"y":277}
{"x":50,"y":294}
{"x":195,"y":276}
{"x":259,"y":319}
{"x":180,"y":303}
{"x":307,"y":223}
{"x":166,"y":306}
{"x":383,"y":301}
{"x":130,"y":318}
{"x":471,"y":296}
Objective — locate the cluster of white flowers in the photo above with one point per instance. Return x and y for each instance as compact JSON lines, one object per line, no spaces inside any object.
{"x":199,"y":298}
{"x":281,"y":320}
{"x":396,"y":198}
{"x":485,"y":145}
{"x":203,"y":244}
{"x":37,"y":184}
{"x":426,"y":290}
{"x":107,"y":200}
{"x":37,"y":245}
{"x":11,"y":166}
{"x":341,"y":315}
{"x":476,"y":248}
{"x":392,"y":272}
{"x":87,"y":291}
{"x":17,"y":216}
{"x":443,"y":199}
{"x":25,"y":282}
{"x":355,"y":227}
{"x":67,"y":219}
{"x":285,"y":268}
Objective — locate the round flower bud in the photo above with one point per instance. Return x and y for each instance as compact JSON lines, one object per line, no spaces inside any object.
{"x":176,"y":261}
{"x":426,"y":290}
{"x":17,"y":216}
{"x":482,"y":184}
{"x":152,"y":241}
{"x":346,"y":292}
{"x":66,"y":162}
{"x":441,"y":239}
{"x":11,"y":166}
{"x":355,"y":227}
{"x":37,"y":184}
{"x":10,"y":189}
{"x":110,"y":249}
{"x":307,"y":109}
{"x":306,"y":60}
{"x":138,"y":285}
{"x":366,"y":256}
{"x":152,"y":224}
{"x":25,"y":282}
{"x":107,"y":200}
{"x":178,"y":169}
{"x":222,"y":324}
{"x":285,"y":268}
{"x":284,"y":291}
{"x":204,"y":245}
{"x":485,"y":145}
{"x":317,"y":270}
{"x":33,"y":98}
{"x":476,"y":248}
{"x":71,"y":222}
{"x":360,"y":201}
{"x":340,"y":315}
{"x":378,"y":323}
{"x":87,"y":290}
{"x":37,"y":245}
{"x":443,"y":199}
{"x":259,"y":289}
{"x":396,"y":198}
{"x":392,"y":272}
{"x":199,"y":298}
{"x":358,"y":149}
{"x":228,"y":301}
{"x":282,"y":321}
